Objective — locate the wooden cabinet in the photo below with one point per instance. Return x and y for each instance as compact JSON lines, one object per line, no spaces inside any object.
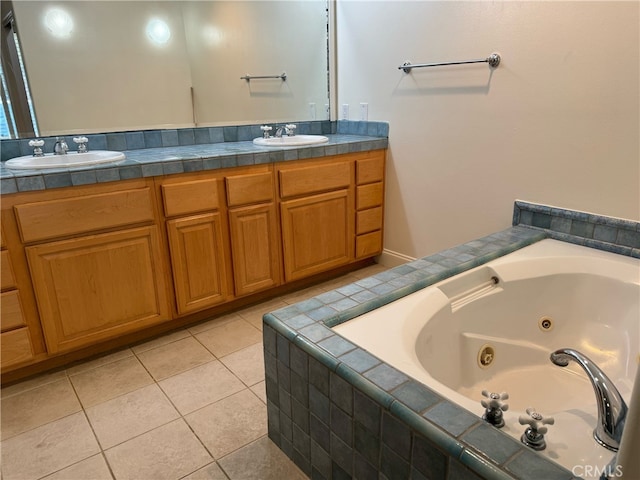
{"x":255,"y":236}
{"x":316,"y":211}
{"x":369,"y":204}
{"x":15,"y":341}
{"x":198,"y":243}
{"x":83,"y":265}
{"x":95,"y":263}
{"x":97,"y":287}
{"x":199,"y":270}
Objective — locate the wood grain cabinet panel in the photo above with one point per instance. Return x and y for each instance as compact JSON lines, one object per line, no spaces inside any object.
{"x":15,"y":347}
{"x":190,"y":197}
{"x":314,"y":179}
{"x":11,"y":315}
{"x":6,"y":272}
{"x":369,"y":244}
{"x":255,"y":248}
{"x":317,"y":233}
{"x":72,"y":216}
{"x":368,"y":220}
{"x":368,"y":196}
{"x":249,"y":188}
{"x":98,"y":287}
{"x":198,"y":261}
{"x":370,"y":170}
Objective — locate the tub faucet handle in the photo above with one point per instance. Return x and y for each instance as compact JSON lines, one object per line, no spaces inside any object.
{"x":533,"y":436}
{"x":494,"y":406}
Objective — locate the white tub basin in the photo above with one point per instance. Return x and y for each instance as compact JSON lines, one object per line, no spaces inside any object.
{"x":295,"y":141}
{"x":591,"y":300}
{"x":71,"y":159}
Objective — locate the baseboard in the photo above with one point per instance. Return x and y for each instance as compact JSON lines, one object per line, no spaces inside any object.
{"x":391,"y":259}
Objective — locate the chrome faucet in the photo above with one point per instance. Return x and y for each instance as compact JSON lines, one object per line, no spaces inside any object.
{"x":612,"y":410}
{"x":289,"y":129}
{"x":61,"y":147}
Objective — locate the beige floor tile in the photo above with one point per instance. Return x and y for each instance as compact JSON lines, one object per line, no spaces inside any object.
{"x":158,"y":342}
{"x":130,"y":415}
{"x":254,"y":314}
{"x":260,"y":460}
{"x":35,"y":407}
{"x":200,"y":386}
{"x":175,"y":357}
{"x":32,"y":383}
{"x":247,"y":364}
{"x":210,"y":472}
{"x":338,"y":282}
{"x":213,"y":323}
{"x":300,"y":295}
{"x":93,"y":468}
{"x":168,"y":452}
{"x":48,"y":448}
{"x":110,"y":381}
{"x":230,"y":423}
{"x":230,"y":337}
{"x":369,"y":271}
{"x":99,"y":362}
{"x":260,"y":391}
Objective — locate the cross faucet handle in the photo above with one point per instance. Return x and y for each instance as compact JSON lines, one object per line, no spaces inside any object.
{"x":536,"y":421}
{"x":495,"y":400}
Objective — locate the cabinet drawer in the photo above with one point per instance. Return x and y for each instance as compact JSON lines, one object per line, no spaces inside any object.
{"x":321,"y":178}
{"x":6,"y":272}
{"x":368,"y":220}
{"x":16,"y":347}
{"x":370,"y":170}
{"x":71,"y":216}
{"x":11,"y":311}
{"x":246,"y":189}
{"x":190,"y":197}
{"x":368,"y":196}
{"x":369,"y":244}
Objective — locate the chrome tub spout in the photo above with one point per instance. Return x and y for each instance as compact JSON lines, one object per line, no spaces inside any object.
{"x":612,"y":410}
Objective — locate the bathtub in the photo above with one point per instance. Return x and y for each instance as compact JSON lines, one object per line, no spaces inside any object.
{"x":493,"y":328}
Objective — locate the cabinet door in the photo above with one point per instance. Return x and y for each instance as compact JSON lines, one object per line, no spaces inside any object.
{"x":317,"y":233}
{"x":254,"y":248}
{"x":198,"y":260}
{"x":96,"y":287}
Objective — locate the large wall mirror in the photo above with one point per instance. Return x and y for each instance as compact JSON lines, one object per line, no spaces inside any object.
{"x":103,"y":66}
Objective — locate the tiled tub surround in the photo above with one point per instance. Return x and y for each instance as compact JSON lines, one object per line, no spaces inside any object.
{"x":162,"y":152}
{"x":340,"y":412}
{"x":614,"y":235}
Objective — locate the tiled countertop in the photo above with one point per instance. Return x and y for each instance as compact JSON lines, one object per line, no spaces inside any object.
{"x":150,"y":162}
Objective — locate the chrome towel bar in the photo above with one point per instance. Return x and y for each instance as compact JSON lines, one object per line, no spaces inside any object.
{"x":493,"y":60}
{"x":248,"y":77}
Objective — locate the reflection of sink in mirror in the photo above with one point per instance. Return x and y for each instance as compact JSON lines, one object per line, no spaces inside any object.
{"x":295,"y":141}
{"x":71,"y":159}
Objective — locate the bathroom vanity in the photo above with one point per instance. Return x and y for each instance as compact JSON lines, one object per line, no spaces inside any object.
{"x":85,"y":268}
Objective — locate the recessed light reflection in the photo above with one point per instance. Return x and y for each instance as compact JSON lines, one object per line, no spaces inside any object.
{"x":158,"y":31}
{"x":58,"y":22}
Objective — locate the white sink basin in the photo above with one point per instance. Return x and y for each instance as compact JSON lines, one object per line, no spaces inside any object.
{"x":295,"y":141}
{"x":71,"y":159}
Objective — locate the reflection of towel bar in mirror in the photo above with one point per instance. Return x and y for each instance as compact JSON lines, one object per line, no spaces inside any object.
{"x":248,"y":77}
{"x":493,"y":60}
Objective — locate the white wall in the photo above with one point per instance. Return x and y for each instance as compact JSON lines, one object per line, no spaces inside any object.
{"x":556,"y":123}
